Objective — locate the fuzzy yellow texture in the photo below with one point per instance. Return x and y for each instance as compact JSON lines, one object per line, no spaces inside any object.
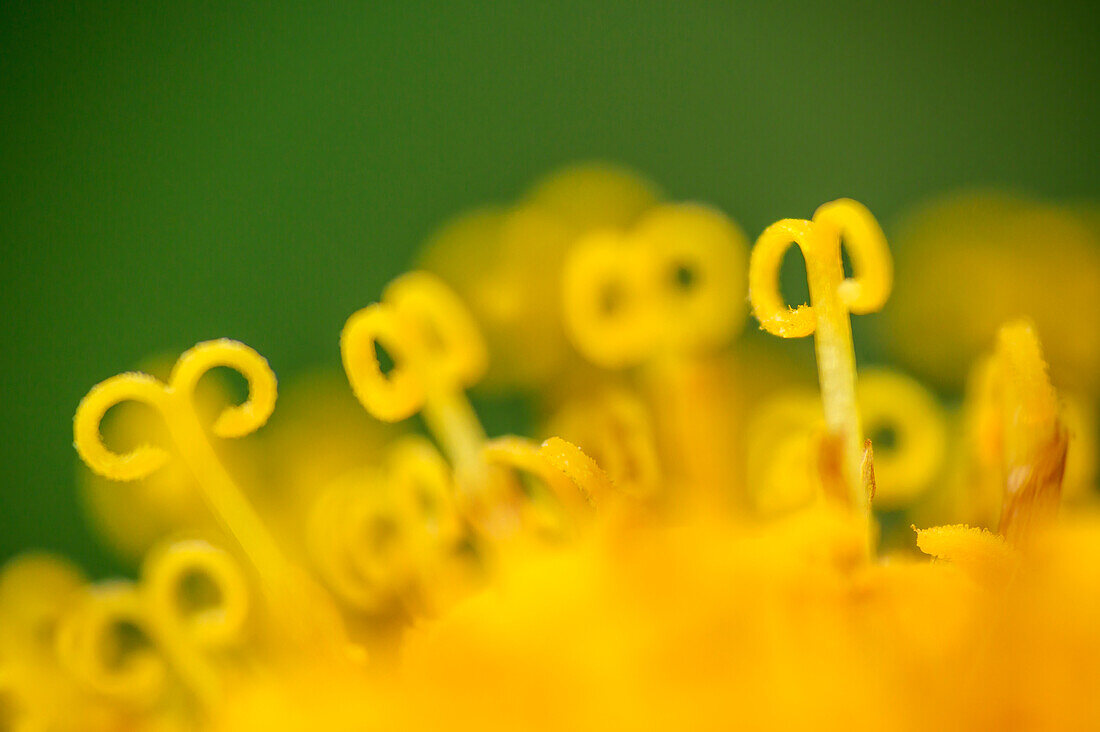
{"x":332,"y":573}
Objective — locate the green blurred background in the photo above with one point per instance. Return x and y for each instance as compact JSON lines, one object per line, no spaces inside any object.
{"x":174,"y":172}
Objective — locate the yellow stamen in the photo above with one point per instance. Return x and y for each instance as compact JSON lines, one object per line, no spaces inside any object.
{"x":664,"y":295}
{"x":288,"y":589}
{"x":833,"y":298}
{"x":524,"y":455}
{"x":437,"y":352}
{"x":615,"y":429}
{"x":1034,"y":438}
{"x":185,"y":640}
{"x":377,"y":539}
{"x":582,"y":470}
{"x":984,"y":556}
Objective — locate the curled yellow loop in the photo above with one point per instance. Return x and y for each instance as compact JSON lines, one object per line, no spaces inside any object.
{"x":108,"y":645}
{"x":172,"y":401}
{"x":437,"y":352}
{"x":301,"y":610}
{"x":781,"y":462}
{"x":217,"y":624}
{"x":358,"y":537}
{"x":602,"y":293}
{"x":377,"y":537}
{"x":125,"y":640}
{"x":669,"y":285}
{"x":244,"y":418}
{"x":418,"y":472}
{"x":696,"y":257}
{"x":449,"y":342}
{"x":843,"y":220}
{"x":392,"y":397}
{"x":832,"y":299}
{"x":432,"y":338}
{"x":872,"y":267}
{"x":136,"y":464}
{"x":767,"y":301}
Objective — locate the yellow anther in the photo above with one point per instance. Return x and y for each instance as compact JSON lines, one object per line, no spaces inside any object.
{"x":982,"y":555}
{"x":582,"y":470}
{"x":613,"y":427}
{"x":663,"y":288}
{"x":905,"y":466}
{"x":1080,"y":418}
{"x":437,"y":352}
{"x":177,"y":636}
{"x":175,"y":403}
{"x":527,"y":457}
{"x":1034,"y":258}
{"x":832,"y":299}
{"x":1034,"y":439}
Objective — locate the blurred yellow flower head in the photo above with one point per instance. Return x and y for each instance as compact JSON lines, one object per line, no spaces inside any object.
{"x":690,"y":537}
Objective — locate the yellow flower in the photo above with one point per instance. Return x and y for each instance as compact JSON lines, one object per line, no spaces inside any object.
{"x":697,"y":539}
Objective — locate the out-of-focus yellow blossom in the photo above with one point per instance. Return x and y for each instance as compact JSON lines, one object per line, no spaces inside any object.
{"x":661,"y":296}
{"x":784,"y":438}
{"x":692,"y":545}
{"x":973,"y":261}
{"x":506,"y":262}
{"x":1080,"y":482}
{"x":1016,"y":437}
{"x":781,"y":453}
{"x":615,"y":428}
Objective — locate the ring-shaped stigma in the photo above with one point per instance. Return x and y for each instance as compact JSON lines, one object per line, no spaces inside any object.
{"x":93,"y":643}
{"x":768,"y":306}
{"x":214,"y":626}
{"x":88,"y":439}
{"x":241,"y":419}
{"x":449,"y":341}
{"x":392,"y":397}
{"x":867,"y":290}
{"x":696,"y":276}
{"x":603,"y":309}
